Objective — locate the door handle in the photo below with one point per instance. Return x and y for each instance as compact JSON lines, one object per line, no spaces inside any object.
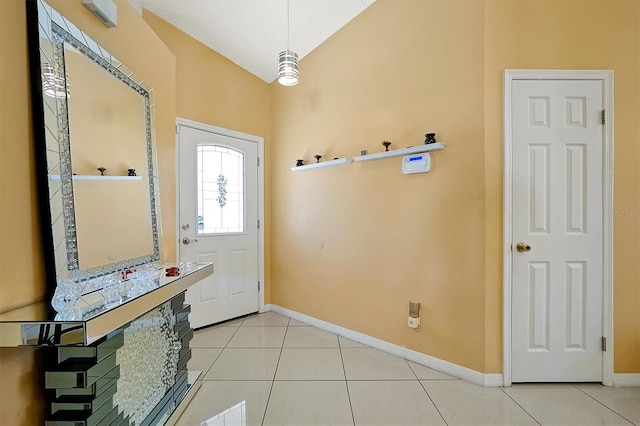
{"x":523,"y":247}
{"x":187,"y":240}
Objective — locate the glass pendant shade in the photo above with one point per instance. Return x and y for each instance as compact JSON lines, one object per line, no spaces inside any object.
{"x":288,"y":68}
{"x":53,"y":85}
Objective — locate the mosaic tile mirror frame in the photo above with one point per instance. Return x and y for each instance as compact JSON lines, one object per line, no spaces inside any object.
{"x":80,"y":96}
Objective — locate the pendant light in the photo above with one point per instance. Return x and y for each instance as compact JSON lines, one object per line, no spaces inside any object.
{"x":288,"y":62}
{"x":53,"y":85}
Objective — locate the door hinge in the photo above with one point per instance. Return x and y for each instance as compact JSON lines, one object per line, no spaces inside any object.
{"x":258,"y":161}
{"x":258,"y":223}
{"x":258,"y":285}
{"x":604,"y":116}
{"x":604,"y":344}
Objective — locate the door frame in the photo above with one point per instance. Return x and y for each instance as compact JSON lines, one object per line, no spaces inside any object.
{"x":507,"y":222}
{"x":237,"y":135}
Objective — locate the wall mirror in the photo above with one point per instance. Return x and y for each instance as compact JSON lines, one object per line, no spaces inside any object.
{"x":94,"y":140}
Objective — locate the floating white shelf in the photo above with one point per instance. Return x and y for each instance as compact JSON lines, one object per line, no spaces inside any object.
{"x":330,"y":163}
{"x":401,"y":152}
{"x":97,"y":177}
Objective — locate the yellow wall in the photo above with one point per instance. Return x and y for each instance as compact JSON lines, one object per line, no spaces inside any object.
{"x":211,"y":89}
{"x":436,"y":238}
{"x":353,"y":245}
{"x":20,"y":245}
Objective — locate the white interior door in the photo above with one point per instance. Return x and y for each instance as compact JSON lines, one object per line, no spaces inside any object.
{"x":218,"y":222}
{"x":557,"y":286}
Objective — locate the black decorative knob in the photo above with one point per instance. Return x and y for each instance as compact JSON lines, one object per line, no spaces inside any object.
{"x":386,"y":145}
{"x":102,"y":170}
{"x":429,"y":138}
{"x":317,"y":157}
{"x":132,"y":172}
{"x":299,"y":163}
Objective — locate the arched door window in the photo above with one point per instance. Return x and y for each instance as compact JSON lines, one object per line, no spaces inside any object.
{"x":221,"y":190}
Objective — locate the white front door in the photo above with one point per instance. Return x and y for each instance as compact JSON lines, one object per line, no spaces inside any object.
{"x":218,"y":222}
{"x":558,"y":211}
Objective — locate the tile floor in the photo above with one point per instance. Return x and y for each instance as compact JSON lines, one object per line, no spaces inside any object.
{"x":268,"y":369}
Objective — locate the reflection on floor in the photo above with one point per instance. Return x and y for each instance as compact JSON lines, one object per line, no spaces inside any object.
{"x":272,"y":370}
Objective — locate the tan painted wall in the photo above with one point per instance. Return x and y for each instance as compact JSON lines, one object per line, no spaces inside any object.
{"x":435,"y":238}
{"x":20,"y":247}
{"x":21,"y":282}
{"x":213,"y":90}
{"x":570,"y":34}
{"x":353,"y":245}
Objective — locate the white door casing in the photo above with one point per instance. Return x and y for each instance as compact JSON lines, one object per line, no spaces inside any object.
{"x":233,"y":290}
{"x":558,"y":186}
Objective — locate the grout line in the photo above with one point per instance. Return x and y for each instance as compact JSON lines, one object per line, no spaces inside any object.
{"x":346,"y":383}
{"x":231,"y":338}
{"x":217,"y":357}
{"x":602,"y":403}
{"x":425,"y":391}
{"x":518,"y":404}
{"x":204,"y":373}
{"x":266,"y":407}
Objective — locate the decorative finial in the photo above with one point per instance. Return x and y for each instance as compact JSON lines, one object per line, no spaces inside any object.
{"x":429,"y":138}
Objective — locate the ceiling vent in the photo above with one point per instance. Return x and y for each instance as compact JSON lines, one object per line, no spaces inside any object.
{"x":105,"y":10}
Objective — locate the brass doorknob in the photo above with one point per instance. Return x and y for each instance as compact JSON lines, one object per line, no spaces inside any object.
{"x":523,"y":247}
{"x":187,"y":240}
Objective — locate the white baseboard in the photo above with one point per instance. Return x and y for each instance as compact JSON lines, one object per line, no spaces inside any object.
{"x":625,"y":380}
{"x":447,"y":367}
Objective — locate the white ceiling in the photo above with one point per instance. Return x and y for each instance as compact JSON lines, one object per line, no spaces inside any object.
{"x":251,"y":33}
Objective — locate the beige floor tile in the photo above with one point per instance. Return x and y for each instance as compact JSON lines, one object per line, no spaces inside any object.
{"x":310,"y":364}
{"x":310,"y":337}
{"x":258,"y":337}
{"x":267,"y":319}
{"x":348,"y":343}
{"x":562,"y":404}
{"x":213,"y":337}
{"x":426,"y":373}
{"x":392,"y":403}
{"x":202,"y":359}
{"x":215,"y":397}
{"x":463,"y":403}
{"x":308,"y":403}
{"x":239,"y":360}
{"x":245,"y":364}
{"x":373,"y":364}
{"x":624,"y":401}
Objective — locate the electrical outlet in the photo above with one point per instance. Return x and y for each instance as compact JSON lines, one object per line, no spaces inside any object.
{"x":414,"y":322}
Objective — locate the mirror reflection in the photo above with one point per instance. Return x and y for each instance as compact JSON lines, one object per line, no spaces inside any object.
{"x":113,"y":220}
{"x":97,"y":138}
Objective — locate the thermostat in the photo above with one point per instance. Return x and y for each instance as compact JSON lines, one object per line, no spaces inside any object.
{"x":416,"y":163}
